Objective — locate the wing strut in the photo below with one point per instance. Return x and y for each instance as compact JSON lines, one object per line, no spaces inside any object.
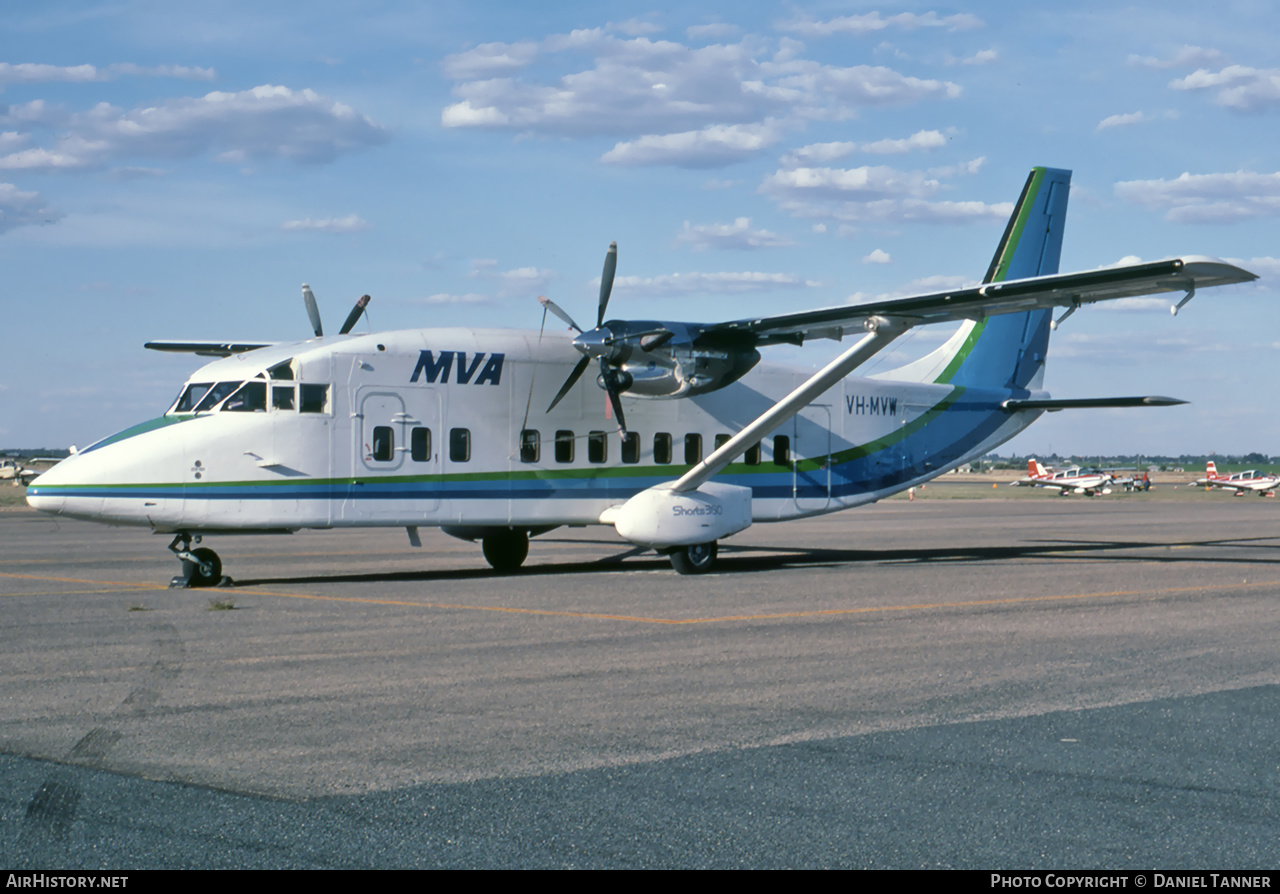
{"x":881,"y":331}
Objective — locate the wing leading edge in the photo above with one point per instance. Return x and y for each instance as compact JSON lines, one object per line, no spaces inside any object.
{"x":207,"y":348}
{"x":990,"y":299}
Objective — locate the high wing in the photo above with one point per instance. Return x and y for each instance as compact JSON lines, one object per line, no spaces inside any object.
{"x":1010,"y":296}
{"x":207,"y":348}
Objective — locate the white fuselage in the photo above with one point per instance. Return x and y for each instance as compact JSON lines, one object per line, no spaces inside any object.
{"x":449,"y":427}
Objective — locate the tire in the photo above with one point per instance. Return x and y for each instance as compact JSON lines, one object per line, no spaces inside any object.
{"x":200,"y":579}
{"x":506,"y":550}
{"x":697,"y":559}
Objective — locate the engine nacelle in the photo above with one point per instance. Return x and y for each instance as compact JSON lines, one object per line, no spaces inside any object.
{"x":659,"y":517}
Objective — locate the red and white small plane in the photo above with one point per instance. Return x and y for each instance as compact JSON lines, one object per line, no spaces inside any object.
{"x":1067,"y":481}
{"x":1262,"y":484}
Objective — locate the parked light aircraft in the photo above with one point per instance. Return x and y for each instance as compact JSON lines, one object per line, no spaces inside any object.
{"x":447,"y":427}
{"x":1067,"y":481}
{"x":12,"y":470}
{"x":1252,"y":480}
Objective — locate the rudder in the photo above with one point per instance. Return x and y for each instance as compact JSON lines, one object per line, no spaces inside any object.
{"x":1008,"y":351}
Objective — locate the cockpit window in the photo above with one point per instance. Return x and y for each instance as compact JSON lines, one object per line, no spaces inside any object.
{"x":216,"y":395}
{"x":190,"y":397}
{"x":252,"y":398}
{"x":282,"y":371}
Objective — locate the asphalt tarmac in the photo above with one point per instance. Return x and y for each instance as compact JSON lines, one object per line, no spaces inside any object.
{"x":955,"y":683}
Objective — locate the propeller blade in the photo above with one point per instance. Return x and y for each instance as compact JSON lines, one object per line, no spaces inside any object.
{"x":313,"y":312}
{"x":615,"y":399}
{"x":606,"y":281}
{"x":354,"y":316}
{"x":555,"y":309}
{"x":571,"y":381}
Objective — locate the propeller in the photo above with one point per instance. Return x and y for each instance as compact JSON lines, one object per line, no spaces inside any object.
{"x":601,"y":344}
{"x":606,"y":280}
{"x":313,"y":312}
{"x":354,"y":316}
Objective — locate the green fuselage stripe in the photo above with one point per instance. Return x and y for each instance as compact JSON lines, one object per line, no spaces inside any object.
{"x":1002,"y":270}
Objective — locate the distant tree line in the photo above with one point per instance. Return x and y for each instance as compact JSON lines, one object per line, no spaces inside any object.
{"x":1235,"y":462}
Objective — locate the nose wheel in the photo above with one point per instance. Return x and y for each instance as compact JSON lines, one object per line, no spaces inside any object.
{"x":201,"y":567}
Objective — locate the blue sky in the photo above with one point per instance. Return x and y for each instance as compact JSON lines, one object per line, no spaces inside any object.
{"x":178,"y":170}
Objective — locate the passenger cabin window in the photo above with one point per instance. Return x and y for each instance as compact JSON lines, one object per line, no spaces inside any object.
{"x":282,"y":397}
{"x":692,"y":449}
{"x":420,"y":444}
{"x":313,"y":399}
{"x":459,"y":445}
{"x":752,"y":456}
{"x":662,"y":448}
{"x":564,"y":446}
{"x":721,"y":440}
{"x":631,"y":447}
{"x":781,"y":450}
{"x":252,"y":398}
{"x":529,"y":442}
{"x":384,"y":443}
{"x":597,"y":447}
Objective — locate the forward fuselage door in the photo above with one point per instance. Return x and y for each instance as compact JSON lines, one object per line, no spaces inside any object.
{"x":811,"y":458}
{"x":395,"y":455}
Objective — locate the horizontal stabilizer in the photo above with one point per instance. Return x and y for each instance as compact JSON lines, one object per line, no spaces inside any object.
{"x":207,"y":348}
{"x":1088,"y":403}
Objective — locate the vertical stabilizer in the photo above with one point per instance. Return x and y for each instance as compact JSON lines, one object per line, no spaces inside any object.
{"x":1008,"y":351}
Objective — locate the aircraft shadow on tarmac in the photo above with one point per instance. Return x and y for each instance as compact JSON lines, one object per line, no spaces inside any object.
{"x":747,"y":559}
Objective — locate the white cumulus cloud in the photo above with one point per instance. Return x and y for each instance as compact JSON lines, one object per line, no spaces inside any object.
{"x":1185,"y":57}
{"x":23,"y":209}
{"x":41,"y":73}
{"x":878,"y":256}
{"x":1121,"y":120}
{"x":515,"y":283}
{"x":738,"y":235}
{"x":875,"y":193}
{"x":262,"y":123}
{"x":713,"y":146}
{"x":1237,"y":87}
{"x":872,"y":22}
{"x":820,"y":153}
{"x":1207,"y":198}
{"x":350,"y":224}
{"x":710,"y":283}
{"x":668,"y":102}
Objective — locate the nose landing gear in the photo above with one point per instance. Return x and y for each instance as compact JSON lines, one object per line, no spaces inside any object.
{"x":200,"y":567}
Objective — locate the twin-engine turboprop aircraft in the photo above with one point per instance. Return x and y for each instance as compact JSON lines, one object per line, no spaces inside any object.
{"x":447,"y":427}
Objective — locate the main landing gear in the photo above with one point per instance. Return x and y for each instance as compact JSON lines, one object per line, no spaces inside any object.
{"x":200,"y":567}
{"x":506,"y":550}
{"x":696,"y":559}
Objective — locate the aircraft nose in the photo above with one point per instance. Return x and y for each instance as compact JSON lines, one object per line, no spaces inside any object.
{"x":43,"y":493}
